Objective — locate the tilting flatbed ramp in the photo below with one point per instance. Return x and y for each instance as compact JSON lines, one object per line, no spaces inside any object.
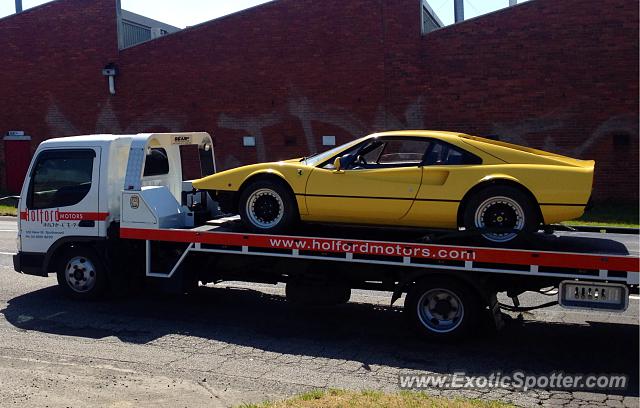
{"x":610,"y":257}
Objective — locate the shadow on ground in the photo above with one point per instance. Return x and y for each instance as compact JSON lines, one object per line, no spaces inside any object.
{"x":372,"y":335}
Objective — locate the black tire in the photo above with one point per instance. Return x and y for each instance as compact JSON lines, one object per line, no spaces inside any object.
{"x":81,"y":274}
{"x":444,"y":322}
{"x":274,"y":211}
{"x":501,"y":207}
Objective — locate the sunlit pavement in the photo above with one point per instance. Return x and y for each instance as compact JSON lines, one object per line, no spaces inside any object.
{"x":223,"y":346}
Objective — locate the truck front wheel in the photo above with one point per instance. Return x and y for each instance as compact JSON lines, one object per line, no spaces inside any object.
{"x":442,"y":309}
{"x":81,"y":273}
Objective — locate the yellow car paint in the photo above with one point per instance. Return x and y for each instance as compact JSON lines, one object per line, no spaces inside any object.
{"x":421,"y":195}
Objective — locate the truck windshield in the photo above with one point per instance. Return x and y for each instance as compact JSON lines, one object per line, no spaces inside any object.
{"x":60,"y":178}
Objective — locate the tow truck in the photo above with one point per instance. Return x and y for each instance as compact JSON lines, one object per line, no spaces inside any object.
{"x":107,"y":212}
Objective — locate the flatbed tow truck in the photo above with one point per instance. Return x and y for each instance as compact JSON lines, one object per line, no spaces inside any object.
{"x":105,"y":212}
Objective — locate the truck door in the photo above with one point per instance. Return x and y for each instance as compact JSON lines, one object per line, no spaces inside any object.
{"x":60,"y":198}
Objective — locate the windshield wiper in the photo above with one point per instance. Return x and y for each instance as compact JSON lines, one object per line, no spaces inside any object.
{"x":308,"y":157}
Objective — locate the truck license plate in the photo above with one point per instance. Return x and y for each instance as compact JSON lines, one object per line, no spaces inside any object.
{"x":593,"y":295}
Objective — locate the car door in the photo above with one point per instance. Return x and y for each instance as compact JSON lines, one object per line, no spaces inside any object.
{"x":447,"y":174}
{"x":378,"y":187}
{"x":61,"y":198}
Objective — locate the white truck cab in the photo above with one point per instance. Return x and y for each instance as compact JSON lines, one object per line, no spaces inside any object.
{"x":75,"y":189}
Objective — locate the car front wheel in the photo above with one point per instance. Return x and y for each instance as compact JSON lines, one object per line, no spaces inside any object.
{"x":267,"y":206}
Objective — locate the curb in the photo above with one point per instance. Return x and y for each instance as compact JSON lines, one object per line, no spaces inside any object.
{"x":596,"y":228}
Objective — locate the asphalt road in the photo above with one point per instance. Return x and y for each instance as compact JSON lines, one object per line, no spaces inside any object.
{"x":226,"y":346}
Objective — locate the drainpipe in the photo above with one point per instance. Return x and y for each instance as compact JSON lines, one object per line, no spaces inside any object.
{"x":458,"y":10}
{"x":111,"y":71}
{"x":18,"y":6}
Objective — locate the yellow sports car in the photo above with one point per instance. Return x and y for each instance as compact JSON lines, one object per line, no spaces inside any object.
{"x":411,"y":178}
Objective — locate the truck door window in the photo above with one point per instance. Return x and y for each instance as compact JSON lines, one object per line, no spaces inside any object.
{"x":60,"y":179}
{"x":156,"y":163}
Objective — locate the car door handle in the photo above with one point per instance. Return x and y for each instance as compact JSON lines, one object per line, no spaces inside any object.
{"x":87,"y":224}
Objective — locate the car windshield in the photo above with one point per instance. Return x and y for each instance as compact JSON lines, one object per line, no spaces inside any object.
{"x":322,"y":157}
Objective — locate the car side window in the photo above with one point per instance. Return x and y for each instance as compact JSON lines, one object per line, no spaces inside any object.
{"x":444,"y":154}
{"x":60,"y":179}
{"x":403,"y":152}
{"x":387,"y":153}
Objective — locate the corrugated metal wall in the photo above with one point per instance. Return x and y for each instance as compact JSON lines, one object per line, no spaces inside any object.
{"x":134,"y":34}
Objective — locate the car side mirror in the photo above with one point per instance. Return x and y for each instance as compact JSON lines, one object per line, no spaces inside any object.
{"x":344,"y":162}
{"x":337,"y":164}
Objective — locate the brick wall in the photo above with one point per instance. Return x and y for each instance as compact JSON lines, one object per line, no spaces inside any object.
{"x":51,"y":82}
{"x":556,"y":75}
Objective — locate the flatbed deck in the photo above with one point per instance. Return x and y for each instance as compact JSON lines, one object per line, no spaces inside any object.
{"x":567,"y":255}
{"x":559,"y":241}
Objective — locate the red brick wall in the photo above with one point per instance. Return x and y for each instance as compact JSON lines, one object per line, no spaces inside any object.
{"x":556,"y":75}
{"x":52,"y":56}
{"x":286,"y":73}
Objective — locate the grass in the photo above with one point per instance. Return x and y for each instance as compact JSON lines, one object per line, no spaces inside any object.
{"x":604,"y":214}
{"x":351,"y":399}
{"x":8,"y":210}
{"x":610,"y":215}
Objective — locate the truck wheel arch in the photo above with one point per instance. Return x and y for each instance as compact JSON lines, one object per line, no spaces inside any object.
{"x":63,"y":244}
{"x":480,"y":287}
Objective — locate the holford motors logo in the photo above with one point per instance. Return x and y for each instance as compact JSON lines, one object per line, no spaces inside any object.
{"x":55,"y":215}
{"x":52,"y":216}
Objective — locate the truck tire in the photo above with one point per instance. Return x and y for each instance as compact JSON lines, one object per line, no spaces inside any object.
{"x":501,"y":207}
{"x":81,"y":273}
{"x":443,"y":309}
{"x":267,"y":206}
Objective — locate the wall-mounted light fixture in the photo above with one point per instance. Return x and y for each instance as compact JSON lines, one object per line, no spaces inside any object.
{"x":111,"y":71}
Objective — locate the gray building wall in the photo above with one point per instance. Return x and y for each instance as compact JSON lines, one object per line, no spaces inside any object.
{"x":137,"y":29}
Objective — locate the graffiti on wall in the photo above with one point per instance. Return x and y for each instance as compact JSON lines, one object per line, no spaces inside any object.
{"x":305,"y":111}
{"x":107,"y":122}
{"x":302,"y":109}
{"x":518,"y":132}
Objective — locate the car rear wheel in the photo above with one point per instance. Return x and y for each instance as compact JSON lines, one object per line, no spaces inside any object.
{"x":501,"y":213}
{"x":267,"y":206}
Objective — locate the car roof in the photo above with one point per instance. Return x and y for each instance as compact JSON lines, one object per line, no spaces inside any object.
{"x":421,"y":133}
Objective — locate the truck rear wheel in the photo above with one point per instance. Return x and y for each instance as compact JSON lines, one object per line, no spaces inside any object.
{"x":81,"y":273}
{"x":443,"y":309}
